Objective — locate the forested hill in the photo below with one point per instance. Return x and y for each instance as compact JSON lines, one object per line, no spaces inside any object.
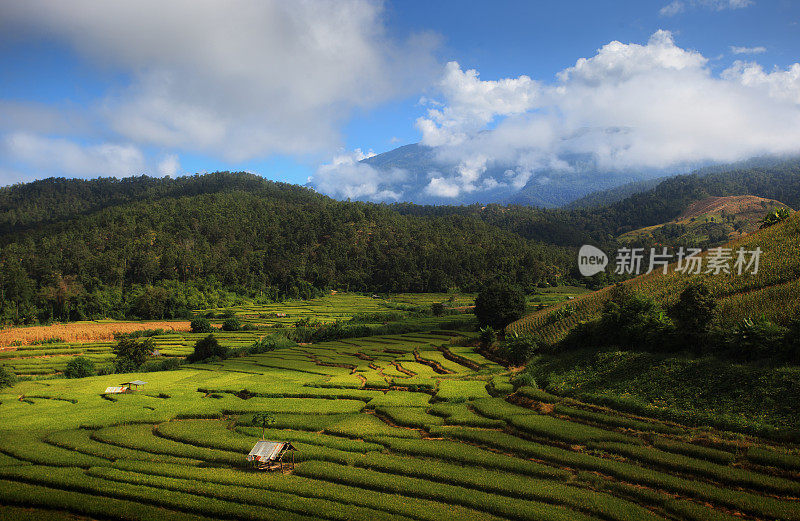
{"x":24,"y":206}
{"x":161,"y":246}
{"x":151,"y":247}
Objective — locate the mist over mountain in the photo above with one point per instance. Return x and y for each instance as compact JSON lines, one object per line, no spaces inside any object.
{"x":414,"y":166}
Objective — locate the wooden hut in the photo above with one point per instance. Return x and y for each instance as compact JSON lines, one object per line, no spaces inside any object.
{"x":134,"y":385}
{"x":268,"y":455}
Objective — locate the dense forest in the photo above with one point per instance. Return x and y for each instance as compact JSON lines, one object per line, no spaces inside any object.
{"x":158,"y":247}
{"x":153,"y":248}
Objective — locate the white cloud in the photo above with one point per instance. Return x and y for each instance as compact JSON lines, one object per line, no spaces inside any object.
{"x":778,"y":84}
{"x":679,"y":6}
{"x":672,"y":8}
{"x":24,"y":116}
{"x":467,"y":179}
{"x":170,"y":165}
{"x":472,"y":103}
{"x":441,"y":187}
{"x":345,"y":178}
{"x":628,"y":107}
{"x":56,"y":156}
{"x":748,"y":50}
{"x":239,"y":79}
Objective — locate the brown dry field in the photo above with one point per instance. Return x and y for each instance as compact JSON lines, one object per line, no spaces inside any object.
{"x":81,"y":331}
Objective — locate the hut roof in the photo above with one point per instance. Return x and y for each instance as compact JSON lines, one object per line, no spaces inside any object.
{"x":135,"y":382}
{"x":268,"y":450}
{"x":114,"y":390}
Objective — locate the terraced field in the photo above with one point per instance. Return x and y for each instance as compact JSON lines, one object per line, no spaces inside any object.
{"x":339,"y":306}
{"x":52,"y":357}
{"x":401,"y":427}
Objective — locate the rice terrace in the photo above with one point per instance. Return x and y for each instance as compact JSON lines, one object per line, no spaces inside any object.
{"x":383,"y":260}
{"x":402,"y":426}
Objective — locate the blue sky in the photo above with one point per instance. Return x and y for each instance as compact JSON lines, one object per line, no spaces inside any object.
{"x":88,"y":91}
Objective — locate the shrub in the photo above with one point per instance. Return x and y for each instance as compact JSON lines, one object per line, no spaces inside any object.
{"x":231,"y":324}
{"x":206,"y":348}
{"x":201,"y":325}
{"x":79,"y":367}
{"x":693,"y":312}
{"x":263,"y":345}
{"x":775,"y":216}
{"x":498,"y":304}
{"x":437,"y":308}
{"x":7,"y":378}
{"x":629,"y":321}
{"x":131,"y":353}
{"x":524,"y":380}
{"x":757,"y":339}
{"x":518,"y":349}
{"x":488,"y":336}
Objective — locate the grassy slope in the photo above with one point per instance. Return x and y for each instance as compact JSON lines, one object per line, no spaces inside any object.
{"x":732,"y":216}
{"x":751,"y":397}
{"x":698,"y":391}
{"x":773,"y":292}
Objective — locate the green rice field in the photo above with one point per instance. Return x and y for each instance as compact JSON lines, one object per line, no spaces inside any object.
{"x":415,"y":426}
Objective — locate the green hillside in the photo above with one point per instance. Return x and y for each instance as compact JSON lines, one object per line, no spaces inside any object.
{"x":707,"y":222}
{"x":737,"y":377}
{"x":774,"y":292}
{"x":72,"y":250}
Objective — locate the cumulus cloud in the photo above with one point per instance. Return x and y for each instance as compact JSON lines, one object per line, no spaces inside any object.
{"x":240,"y":79}
{"x":630,"y":107}
{"x":778,"y":84}
{"x":169,"y":165}
{"x":472,"y":103}
{"x":57,"y":156}
{"x":346,"y":178}
{"x":748,"y":50}
{"x":679,"y":6}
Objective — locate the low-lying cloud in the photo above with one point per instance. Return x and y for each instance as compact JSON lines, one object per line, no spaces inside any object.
{"x":630,"y":107}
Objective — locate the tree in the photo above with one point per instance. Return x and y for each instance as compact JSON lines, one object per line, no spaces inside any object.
{"x":64,"y":291}
{"x":633,"y":321}
{"x":206,"y":348}
{"x":487,"y":336}
{"x":201,"y":325}
{"x":518,"y":349}
{"x":263,"y":420}
{"x":79,"y":367}
{"x":437,"y":309}
{"x":7,"y":378}
{"x":132,"y":352}
{"x":498,"y":304}
{"x":231,"y":324}
{"x":152,"y":303}
{"x":694,"y":311}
